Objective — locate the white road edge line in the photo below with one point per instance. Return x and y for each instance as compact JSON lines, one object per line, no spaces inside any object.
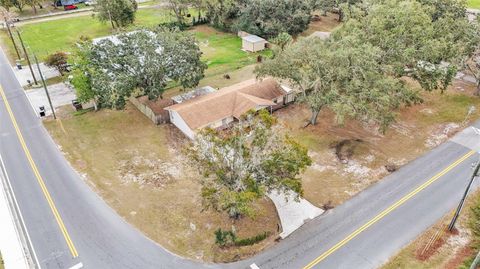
{"x":254,"y":266}
{"x":22,"y":222}
{"x":23,"y":90}
{"x":77,"y":266}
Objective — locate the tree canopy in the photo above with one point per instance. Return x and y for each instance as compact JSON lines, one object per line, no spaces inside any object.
{"x":268,"y":18}
{"x":6,"y":4}
{"x":144,"y":60}
{"x":358,"y":73}
{"x":58,"y":60}
{"x":221,"y":13}
{"x":179,"y":8}
{"x":423,"y":41}
{"x":119,"y":13}
{"x":244,"y":163}
{"x":343,"y":76}
{"x":473,"y":67}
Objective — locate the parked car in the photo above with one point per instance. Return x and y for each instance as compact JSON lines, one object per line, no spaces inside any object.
{"x":70,"y":7}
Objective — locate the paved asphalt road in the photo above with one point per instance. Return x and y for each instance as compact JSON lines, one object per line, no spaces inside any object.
{"x":362,"y":233}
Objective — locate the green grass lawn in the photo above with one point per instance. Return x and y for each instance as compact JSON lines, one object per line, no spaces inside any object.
{"x":60,"y":35}
{"x":222,"y":51}
{"x":474,"y":3}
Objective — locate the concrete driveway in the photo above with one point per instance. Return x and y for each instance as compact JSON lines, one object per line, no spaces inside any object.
{"x":61,"y":94}
{"x":24,"y":76}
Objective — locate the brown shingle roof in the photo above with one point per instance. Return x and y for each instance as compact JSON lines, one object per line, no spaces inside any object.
{"x":232,"y":101}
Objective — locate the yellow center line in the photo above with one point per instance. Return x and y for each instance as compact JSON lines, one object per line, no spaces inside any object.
{"x":39,"y":177}
{"x":387,"y":211}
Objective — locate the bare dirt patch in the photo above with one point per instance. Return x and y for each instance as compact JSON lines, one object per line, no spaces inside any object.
{"x":324,"y":24}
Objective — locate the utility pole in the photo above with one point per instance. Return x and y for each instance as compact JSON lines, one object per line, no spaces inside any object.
{"x":462,"y":201}
{"x":26,"y":57}
{"x":476,"y":262}
{"x":7,"y":23}
{"x":45,"y":87}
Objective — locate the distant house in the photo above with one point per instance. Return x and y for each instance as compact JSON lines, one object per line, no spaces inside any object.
{"x":253,"y":43}
{"x":223,"y":107}
{"x":68,"y":2}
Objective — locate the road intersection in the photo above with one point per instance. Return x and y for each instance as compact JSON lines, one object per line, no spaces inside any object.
{"x":70,"y":225}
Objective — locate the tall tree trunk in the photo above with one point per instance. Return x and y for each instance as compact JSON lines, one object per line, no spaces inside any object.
{"x":111,"y":20}
{"x":313,"y":119}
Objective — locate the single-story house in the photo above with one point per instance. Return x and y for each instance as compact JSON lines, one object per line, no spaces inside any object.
{"x":192,"y":94}
{"x":155,"y":109}
{"x":115,"y":40}
{"x":223,"y":107}
{"x":253,"y":43}
{"x":321,"y":35}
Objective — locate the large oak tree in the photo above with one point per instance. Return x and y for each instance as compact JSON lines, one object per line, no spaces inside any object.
{"x":244,"y":163}
{"x":143,"y":60}
{"x":344,"y":76}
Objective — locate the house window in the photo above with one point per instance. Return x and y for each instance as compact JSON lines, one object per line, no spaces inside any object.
{"x":275,"y":100}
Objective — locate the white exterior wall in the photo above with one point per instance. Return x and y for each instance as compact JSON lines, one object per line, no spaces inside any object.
{"x":247,"y":45}
{"x":258,"y":46}
{"x":253,"y":47}
{"x":177,"y":120}
{"x":290,"y":97}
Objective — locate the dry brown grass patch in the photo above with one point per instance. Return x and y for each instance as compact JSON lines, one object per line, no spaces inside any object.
{"x":139,"y":170}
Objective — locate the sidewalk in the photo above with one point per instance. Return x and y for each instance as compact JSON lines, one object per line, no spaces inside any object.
{"x":293,"y":214}
{"x":10,"y":244}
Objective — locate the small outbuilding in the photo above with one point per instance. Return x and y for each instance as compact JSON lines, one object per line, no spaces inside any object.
{"x":253,"y":43}
{"x":321,"y":35}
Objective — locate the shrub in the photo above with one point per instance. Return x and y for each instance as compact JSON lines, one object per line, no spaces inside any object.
{"x":229,"y":238}
{"x":224,"y":238}
{"x":172,"y":25}
{"x":252,"y":240}
{"x":58,"y":60}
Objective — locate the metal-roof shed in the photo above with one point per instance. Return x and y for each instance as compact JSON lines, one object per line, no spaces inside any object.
{"x":253,"y":43}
